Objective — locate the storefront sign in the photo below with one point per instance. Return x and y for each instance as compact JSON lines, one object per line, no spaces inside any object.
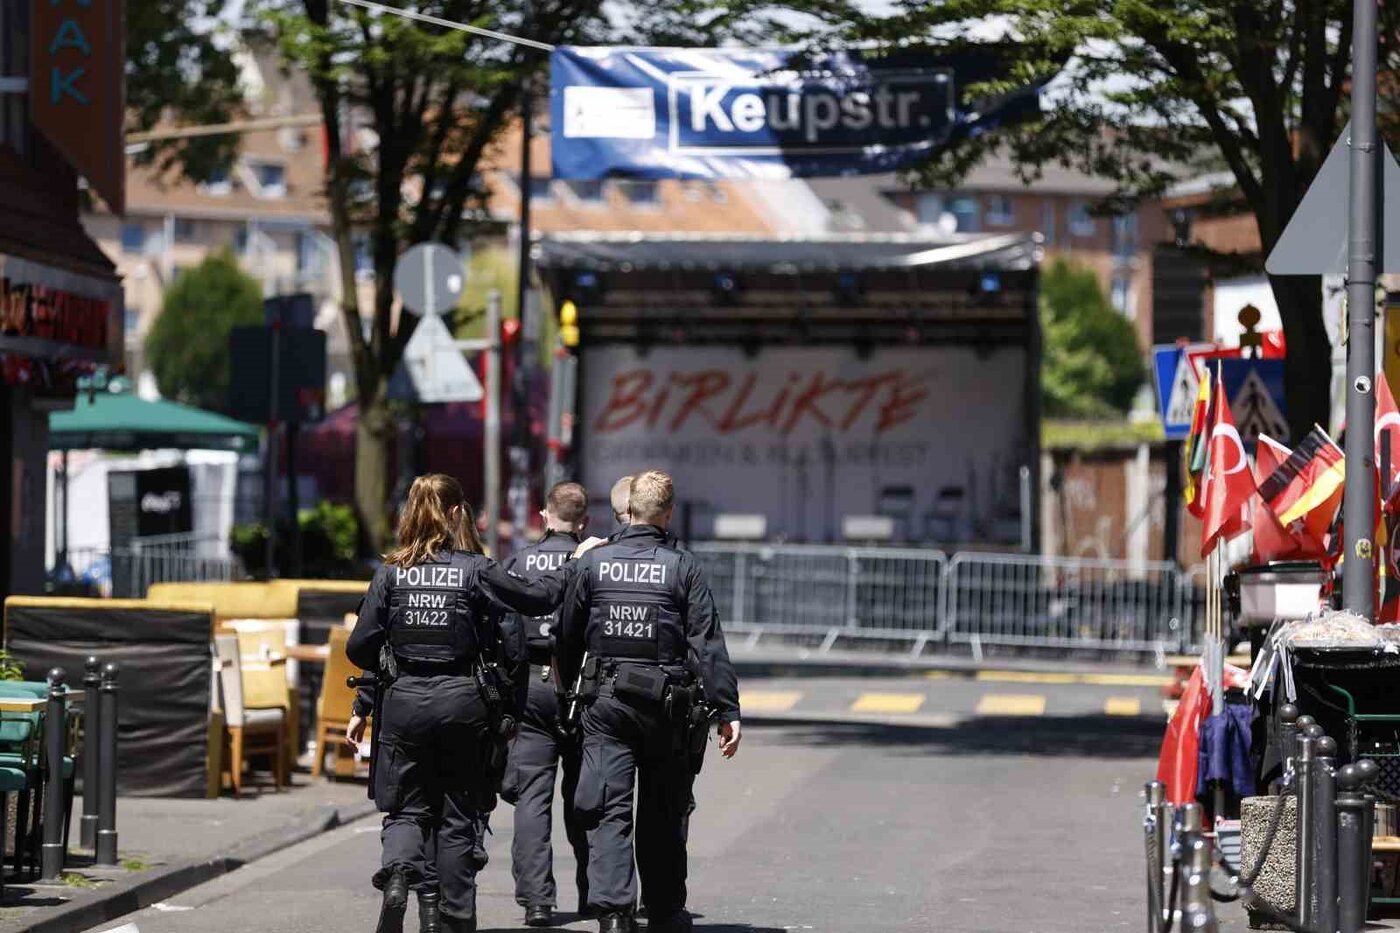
{"x":76,"y":91}
{"x":53,"y":314}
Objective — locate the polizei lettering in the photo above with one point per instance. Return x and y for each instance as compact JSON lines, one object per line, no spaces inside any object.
{"x":631,"y":571}
{"x":545,"y":562}
{"x":431,"y":575}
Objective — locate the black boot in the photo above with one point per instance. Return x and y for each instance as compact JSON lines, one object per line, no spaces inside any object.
{"x":429,"y":920}
{"x":395,"y":903}
{"x":616,"y":923}
{"x":541,"y":916}
{"x":678,"y":922}
{"x":458,"y":925}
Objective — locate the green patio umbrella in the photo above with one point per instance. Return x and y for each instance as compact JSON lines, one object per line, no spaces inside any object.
{"x":126,"y":422}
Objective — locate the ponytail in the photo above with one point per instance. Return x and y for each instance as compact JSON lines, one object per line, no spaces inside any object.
{"x":427,"y":528}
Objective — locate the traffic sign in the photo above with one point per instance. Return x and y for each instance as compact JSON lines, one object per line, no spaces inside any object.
{"x":1315,"y":240}
{"x":1178,"y":380}
{"x":433,"y":368}
{"x":429,"y":278}
{"x":1255,"y":390}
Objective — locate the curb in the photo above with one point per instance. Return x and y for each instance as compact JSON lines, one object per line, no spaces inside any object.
{"x":151,"y":887}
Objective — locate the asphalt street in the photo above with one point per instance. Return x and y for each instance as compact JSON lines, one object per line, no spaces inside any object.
{"x":926,"y":815}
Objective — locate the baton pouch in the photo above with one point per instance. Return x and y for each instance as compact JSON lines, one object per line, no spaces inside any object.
{"x":588,"y":680}
{"x":640,"y":682}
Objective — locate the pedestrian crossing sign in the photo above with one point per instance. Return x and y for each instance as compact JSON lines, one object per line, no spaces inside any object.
{"x":1177,"y":385}
{"x":1255,"y":390}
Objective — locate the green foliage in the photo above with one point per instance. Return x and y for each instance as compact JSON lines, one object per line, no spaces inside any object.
{"x":1097,"y":435}
{"x":10,"y":669}
{"x":1091,"y":365}
{"x":180,"y":70}
{"x":188,"y":344}
{"x":330,"y":537}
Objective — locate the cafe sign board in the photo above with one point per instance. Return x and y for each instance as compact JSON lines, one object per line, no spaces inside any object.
{"x":76,"y":91}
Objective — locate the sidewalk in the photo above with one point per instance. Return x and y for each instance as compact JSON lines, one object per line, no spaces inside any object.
{"x":777,"y":660}
{"x":167,"y":846}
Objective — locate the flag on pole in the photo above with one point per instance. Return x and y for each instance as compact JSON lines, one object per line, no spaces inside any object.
{"x":1178,"y":763}
{"x":1305,"y":492}
{"x":1387,"y":441}
{"x":1228,"y":483}
{"x":1195,"y":450}
{"x":1271,"y":540}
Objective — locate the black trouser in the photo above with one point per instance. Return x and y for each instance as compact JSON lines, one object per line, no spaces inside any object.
{"x":429,"y":759}
{"x":630,"y":743}
{"x":535,"y":755}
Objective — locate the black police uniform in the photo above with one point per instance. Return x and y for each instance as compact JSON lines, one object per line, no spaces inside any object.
{"x":538,"y":748}
{"x":640,"y":605}
{"x":437,"y":617}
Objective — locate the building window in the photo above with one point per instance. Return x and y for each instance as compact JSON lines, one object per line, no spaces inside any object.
{"x":587,"y":191}
{"x":999,"y":211}
{"x":541,"y":186}
{"x":131,"y":320}
{"x":1122,"y":295}
{"x":968,"y":212}
{"x":1125,"y":235}
{"x":240,"y":240}
{"x":271,"y":179}
{"x":928,"y":208}
{"x":218,"y":183}
{"x":133,"y":238}
{"x":1047,"y":222}
{"x":641,"y":193}
{"x":184,"y":230}
{"x":1081,"y":222}
{"x":310,"y":255}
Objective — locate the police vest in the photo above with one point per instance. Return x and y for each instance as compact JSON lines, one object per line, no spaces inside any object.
{"x":433,"y":612}
{"x":638,"y":602}
{"x":549,"y":553}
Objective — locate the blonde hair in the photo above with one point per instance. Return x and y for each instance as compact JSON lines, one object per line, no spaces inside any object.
{"x":621,"y":498}
{"x":426,"y":527}
{"x":651,"y":496}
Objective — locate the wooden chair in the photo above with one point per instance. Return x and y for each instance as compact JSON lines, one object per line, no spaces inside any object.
{"x":255,"y":722}
{"x":333,"y":706}
{"x":262,"y":644}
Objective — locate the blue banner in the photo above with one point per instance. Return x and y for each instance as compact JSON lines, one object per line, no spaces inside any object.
{"x":721,"y":113}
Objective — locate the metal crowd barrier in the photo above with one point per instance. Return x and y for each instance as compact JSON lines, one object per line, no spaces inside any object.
{"x":130,"y":570}
{"x":920,"y":597}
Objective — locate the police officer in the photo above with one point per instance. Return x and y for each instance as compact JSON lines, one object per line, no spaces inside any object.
{"x":435,"y":602}
{"x":539,"y":747}
{"x":640,"y":609}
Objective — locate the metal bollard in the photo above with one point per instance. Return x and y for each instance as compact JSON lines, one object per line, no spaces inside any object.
{"x":1198,"y":909}
{"x":1153,"y":829}
{"x":1303,"y":875}
{"x":55,"y":733}
{"x":1353,"y":851}
{"x":92,"y":682}
{"x":1370,"y":771}
{"x":1287,"y":735}
{"x":107,"y":767}
{"x":1325,"y":833}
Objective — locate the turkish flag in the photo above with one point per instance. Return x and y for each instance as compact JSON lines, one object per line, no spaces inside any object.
{"x":1271,"y":540}
{"x":1387,"y":436}
{"x":1229,"y":483}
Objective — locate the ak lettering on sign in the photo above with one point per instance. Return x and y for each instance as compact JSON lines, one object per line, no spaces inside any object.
{"x":76,"y":90}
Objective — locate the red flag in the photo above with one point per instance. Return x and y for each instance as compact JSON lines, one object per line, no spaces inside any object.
{"x":1179,"y":761}
{"x":1305,"y":492}
{"x":1387,"y":436}
{"x":1229,"y":484}
{"x":1271,"y":540}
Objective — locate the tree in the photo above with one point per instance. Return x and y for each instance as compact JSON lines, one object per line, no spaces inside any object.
{"x":431,"y":101}
{"x":180,"y":70}
{"x":1146,"y":91}
{"x":188,"y":344}
{"x":1091,"y":365}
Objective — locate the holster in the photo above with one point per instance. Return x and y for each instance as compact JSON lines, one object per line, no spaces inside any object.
{"x":493,"y":687}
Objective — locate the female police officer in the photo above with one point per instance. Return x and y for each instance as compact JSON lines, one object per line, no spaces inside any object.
{"x":435,"y":602}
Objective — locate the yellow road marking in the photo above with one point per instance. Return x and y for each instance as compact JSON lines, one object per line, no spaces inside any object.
{"x":1127,"y":680}
{"x":1028,"y":677}
{"x":1011,"y":704}
{"x":888,"y":703}
{"x":770,"y":701}
{"x":938,"y":675}
{"x":1122,"y":706}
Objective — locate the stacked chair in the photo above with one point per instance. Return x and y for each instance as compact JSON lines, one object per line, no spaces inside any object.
{"x":23,"y":771}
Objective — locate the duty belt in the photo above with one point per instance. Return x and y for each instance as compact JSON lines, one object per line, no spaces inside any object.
{"x":420,"y":668}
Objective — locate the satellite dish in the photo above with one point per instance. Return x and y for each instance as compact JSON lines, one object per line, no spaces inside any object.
{"x":947,"y":223}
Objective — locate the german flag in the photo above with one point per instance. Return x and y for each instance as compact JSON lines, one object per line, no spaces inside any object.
{"x":1306,"y":489}
{"x":1196,"y":448}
